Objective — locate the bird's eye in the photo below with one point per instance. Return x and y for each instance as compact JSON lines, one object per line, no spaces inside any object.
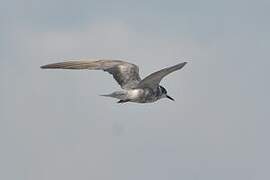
{"x":163,"y":90}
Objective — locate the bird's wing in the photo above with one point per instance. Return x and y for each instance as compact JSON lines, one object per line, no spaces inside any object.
{"x":153,"y":80}
{"x":126,"y":74}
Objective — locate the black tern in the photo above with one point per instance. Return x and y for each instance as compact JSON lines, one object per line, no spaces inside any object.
{"x":135,"y":89}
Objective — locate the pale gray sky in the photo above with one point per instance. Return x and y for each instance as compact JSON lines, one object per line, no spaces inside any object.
{"x":53,"y":124}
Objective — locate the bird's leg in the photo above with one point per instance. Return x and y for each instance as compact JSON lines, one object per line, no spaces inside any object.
{"x":123,"y":101}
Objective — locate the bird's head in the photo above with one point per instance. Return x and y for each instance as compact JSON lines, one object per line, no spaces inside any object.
{"x":164,"y":93}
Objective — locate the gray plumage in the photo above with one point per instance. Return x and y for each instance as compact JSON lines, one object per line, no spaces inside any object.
{"x":127,"y":76}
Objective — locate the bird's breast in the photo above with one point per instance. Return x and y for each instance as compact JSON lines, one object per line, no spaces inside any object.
{"x":135,"y":94}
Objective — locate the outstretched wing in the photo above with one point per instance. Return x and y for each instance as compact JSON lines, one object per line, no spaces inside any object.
{"x":126,"y":74}
{"x":153,"y":80}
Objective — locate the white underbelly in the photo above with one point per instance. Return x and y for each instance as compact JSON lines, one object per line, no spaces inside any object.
{"x":135,"y":94}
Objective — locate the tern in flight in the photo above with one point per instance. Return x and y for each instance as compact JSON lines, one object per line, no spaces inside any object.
{"x":135,"y":89}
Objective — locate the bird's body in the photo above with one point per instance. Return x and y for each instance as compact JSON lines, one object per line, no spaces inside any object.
{"x":145,"y":95}
{"x":127,"y":75}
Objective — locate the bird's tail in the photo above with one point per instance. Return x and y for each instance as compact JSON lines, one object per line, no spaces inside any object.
{"x":118,"y":95}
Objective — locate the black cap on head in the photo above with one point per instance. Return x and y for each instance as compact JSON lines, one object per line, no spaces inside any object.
{"x":163,"y":90}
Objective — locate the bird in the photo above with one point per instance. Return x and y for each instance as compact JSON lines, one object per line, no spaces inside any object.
{"x":134,"y":89}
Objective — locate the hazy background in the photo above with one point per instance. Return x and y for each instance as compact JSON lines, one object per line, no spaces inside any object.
{"x":53,"y":124}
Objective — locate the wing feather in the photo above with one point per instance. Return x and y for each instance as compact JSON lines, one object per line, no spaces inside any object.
{"x":126,"y":74}
{"x":153,"y":80}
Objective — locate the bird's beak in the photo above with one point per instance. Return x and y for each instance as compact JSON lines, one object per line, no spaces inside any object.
{"x":169,"y":97}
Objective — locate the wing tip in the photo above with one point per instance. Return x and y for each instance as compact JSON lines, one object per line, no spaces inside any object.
{"x":181,"y":65}
{"x":43,"y":67}
{"x":53,"y":66}
{"x":48,"y":66}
